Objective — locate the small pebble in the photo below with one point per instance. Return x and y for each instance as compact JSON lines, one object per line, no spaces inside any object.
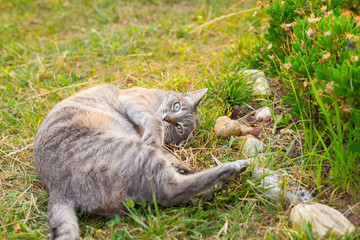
{"x":225,"y":128}
{"x":251,"y":119}
{"x":235,"y":114}
{"x":236,"y":107}
{"x":261,"y":86}
{"x":255,"y":132}
{"x":256,"y":106}
{"x":262,"y":113}
{"x":267,"y":119}
{"x":244,"y":110}
{"x":254,"y":74}
{"x":253,"y":145}
{"x":245,"y":130}
{"x":277,"y":186}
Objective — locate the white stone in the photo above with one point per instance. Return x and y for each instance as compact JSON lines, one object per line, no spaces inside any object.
{"x":225,"y":127}
{"x":253,"y":74}
{"x":262,"y":113}
{"x":322,"y":218}
{"x":278,"y":186}
{"x":253,"y":145}
{"x":261,"y":87}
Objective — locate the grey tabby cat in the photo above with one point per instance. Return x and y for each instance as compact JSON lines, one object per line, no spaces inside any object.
{"x":104,"y":146}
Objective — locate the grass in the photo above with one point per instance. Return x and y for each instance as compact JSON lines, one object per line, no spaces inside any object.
{"x":51,"y":49}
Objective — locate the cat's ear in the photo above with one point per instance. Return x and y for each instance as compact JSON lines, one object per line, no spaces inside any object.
{"x":196,"y":96}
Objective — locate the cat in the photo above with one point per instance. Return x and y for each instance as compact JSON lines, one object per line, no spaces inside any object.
{"x":103,"y":147}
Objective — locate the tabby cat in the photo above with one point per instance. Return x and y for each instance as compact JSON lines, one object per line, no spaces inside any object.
{"x":103,"y":147}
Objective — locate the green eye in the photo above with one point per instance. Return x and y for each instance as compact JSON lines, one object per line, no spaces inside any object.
{"x":176,"y":107}
{"x":179,"y":128}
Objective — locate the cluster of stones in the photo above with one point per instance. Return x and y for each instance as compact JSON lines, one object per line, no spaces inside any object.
{"x":248,"y":144}
{"x":279,"y":185}
{"x":260,"y":83}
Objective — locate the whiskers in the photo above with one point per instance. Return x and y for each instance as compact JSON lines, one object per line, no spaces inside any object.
{"x":167,"y":131}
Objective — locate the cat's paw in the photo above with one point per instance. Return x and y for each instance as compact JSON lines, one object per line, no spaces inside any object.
{"x":232,"y":169}
{"x":151,"y":139}
{"x":183,"y":170}
{"x":241,"y":165}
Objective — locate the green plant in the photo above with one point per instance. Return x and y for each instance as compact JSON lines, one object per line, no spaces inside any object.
{"x":230,"y":87}
{"x":282,"y":15}
{"x":316,"y":54}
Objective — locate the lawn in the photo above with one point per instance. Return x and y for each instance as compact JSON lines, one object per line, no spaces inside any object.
{"x":51,"y":49}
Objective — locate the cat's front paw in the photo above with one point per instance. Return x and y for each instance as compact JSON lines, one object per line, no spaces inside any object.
{"x":232,"y":169}
{"x":151,"y":139}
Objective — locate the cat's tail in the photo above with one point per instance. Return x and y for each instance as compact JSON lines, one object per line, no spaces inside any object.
{"x":62,"y":220}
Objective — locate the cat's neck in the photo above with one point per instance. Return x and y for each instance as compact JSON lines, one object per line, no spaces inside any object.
{"x":153,"y":97}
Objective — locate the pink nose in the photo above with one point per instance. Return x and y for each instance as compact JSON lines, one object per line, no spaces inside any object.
{"x":167,"y":118}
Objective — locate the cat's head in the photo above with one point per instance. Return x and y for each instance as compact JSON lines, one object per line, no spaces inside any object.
{"x":179,"y":115}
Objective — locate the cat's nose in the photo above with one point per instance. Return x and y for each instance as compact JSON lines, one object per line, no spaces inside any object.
{"x":167,"y":118}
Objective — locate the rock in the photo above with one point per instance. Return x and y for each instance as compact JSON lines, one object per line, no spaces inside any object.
{"x":278,"y":186}
{"x":244,"y":110}
{"x":255,"y":132}
{"x":238,"y":145}
{"x":248,"y":145}
{"x":235,"y":114}
{"x":298,"y":194}
{"x":322,"y":218}
{"x":225,"y":127}
{"x":251,"y":119}
{"x":254,"y":74}
{"x":253,"y":145}
{"x":262,"y":113}
{"x":245,"y":130}
{"x":239,"y":111}
{"x":267,"y":119}
{"x":261,"y":87}
{"x":287,"y":131}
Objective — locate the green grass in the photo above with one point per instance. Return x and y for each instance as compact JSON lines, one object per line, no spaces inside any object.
{"x":51,"y":49}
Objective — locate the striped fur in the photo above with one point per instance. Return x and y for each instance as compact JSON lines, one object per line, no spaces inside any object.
{"x":103,"y":147}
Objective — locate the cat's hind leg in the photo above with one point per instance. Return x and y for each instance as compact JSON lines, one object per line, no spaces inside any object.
{"x":181,"y":188}
{"x":62,"y":219}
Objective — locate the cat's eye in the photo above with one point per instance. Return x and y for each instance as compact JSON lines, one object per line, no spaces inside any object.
{"x":179,"y":128}
{"x":176,"y":107}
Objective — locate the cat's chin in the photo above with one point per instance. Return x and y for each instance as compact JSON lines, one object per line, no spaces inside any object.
{"x":181,"y":143}
{"x":175,"y":144}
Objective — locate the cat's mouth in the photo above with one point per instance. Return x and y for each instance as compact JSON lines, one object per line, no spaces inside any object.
{"x":180,"y":143}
